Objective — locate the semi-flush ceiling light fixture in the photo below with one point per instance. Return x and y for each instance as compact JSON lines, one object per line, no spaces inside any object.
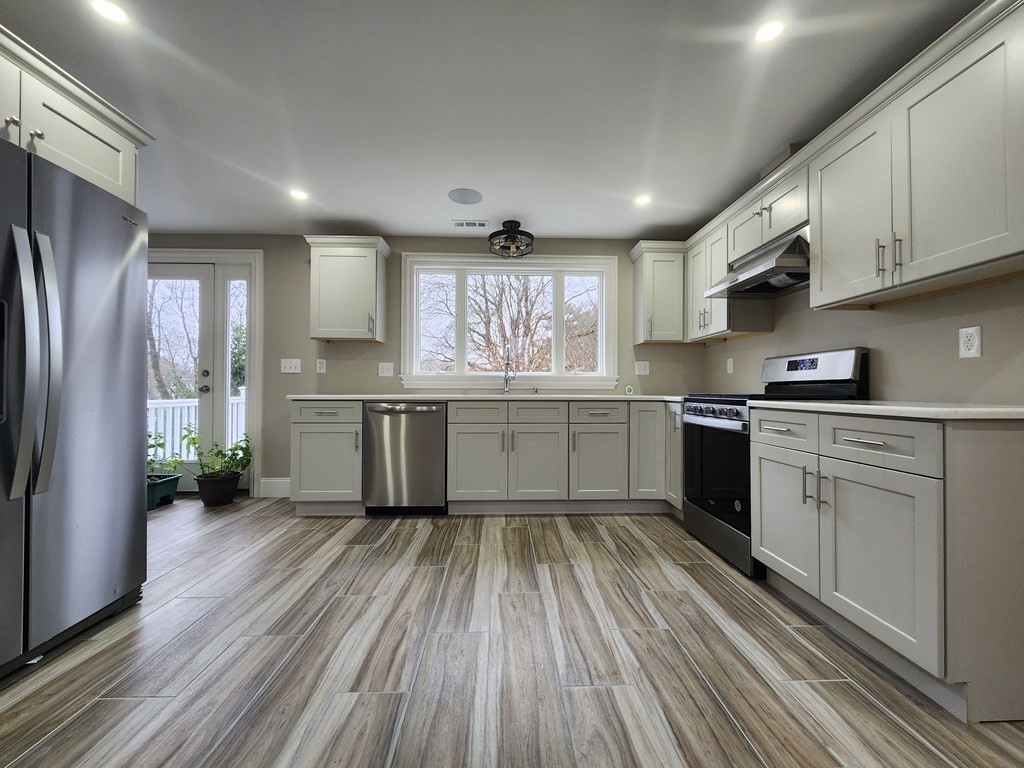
{"x":769,"y":31}
{"x":109,"y":11}
{"x":510,"y":242}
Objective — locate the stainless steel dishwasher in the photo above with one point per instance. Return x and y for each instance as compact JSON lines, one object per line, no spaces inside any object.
{"x":404,"y":456}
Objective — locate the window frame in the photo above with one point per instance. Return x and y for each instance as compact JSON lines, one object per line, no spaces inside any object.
{"x":605,"y":266}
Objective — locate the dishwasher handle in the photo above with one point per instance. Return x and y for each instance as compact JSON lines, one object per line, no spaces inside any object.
{"x":403,"y":408}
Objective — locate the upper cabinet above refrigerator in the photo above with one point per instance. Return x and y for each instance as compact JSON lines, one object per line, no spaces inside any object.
{"x":48,"y":113}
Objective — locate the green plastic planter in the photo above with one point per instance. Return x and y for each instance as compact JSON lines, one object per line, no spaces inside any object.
{"x":160,"y":490}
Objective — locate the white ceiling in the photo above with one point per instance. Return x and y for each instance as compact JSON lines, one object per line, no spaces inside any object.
{"x":558,"y":111}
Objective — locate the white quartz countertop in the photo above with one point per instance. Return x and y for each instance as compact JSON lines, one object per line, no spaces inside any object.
{"x":904,"y":410}
{"x":513,"y":396}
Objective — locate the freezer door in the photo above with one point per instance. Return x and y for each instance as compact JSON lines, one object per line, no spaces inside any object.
{"x":16,"y":428}
{"x":87,"y":529}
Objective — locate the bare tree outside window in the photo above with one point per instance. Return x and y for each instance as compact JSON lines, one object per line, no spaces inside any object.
{"x":437,"y":303}
{"x":513,"y":310}
{"x":172,"y":338}
{"x":582,"y":316}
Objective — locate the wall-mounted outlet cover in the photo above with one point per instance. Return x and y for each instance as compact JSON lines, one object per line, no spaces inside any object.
{"x":643,"y":367}
{"x":291,"y":365}
{"x":970,"y":341}
{"x":321,"y":365}
{"x":385,"y":369}
{"x":728,"y":365}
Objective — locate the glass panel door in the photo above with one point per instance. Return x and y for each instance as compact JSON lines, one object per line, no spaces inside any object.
{"x":197,"y":349}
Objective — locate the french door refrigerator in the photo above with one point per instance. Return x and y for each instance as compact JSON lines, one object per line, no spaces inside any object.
{"x":72,"y":405}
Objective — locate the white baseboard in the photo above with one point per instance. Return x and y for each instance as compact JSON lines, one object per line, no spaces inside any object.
{"x":275,"y":487}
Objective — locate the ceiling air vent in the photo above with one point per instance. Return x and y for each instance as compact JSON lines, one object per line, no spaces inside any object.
{"x":469,"y":225}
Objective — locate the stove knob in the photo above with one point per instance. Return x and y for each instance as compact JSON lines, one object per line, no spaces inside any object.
{"x":688,"y":409}
{"x":734,"y":413}
{"x":698,"y":409}
{"x":723,"y":412}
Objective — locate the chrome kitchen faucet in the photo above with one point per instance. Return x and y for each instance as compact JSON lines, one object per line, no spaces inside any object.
{"x":509,"y":373}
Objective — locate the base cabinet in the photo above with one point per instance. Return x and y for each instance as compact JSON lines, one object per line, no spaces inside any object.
{"x":865,"y":540}
{"x":326,"y":462}
{"x":477,"y":462}
{"x":599,"y":461}
{"x":647,"y":450}
{"x":537,"y":462}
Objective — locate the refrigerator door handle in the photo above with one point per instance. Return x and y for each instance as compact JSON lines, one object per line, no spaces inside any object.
{"x":24,"y":434}
{"x":55,"y":365}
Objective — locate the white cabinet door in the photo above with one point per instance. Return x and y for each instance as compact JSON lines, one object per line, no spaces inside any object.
{"x":696,"y":280}
{"x":851,"y":214}
{"x":674,"y":455}
{"x":658,"y":292}
{"x":346,"y":288}
{"x":882,"y":556}
{"x":477,"y":462}
{"x":784,"y":206}
{"x":56,"y":128}
{"x":958,"y":158}
{"x":599,"y":461}
{"x":716,"y":314}
{"x":784,"y":513}
{"x":10,"y":101}
{"x":745,"y":230}
{"x":537,"y":461}
{"x":326,"y":462}
{"x":647,"y":450}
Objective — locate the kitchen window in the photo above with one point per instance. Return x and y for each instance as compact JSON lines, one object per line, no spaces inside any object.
{"x":556,"y":316}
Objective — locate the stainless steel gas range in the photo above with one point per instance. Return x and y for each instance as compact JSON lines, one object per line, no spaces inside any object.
{"x":716,"y":439}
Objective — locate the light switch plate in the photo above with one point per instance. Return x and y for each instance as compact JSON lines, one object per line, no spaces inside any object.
{"x":321,"y":365}
{"x":291,"y":365}
{"x":385,"y":369}
{"x":643,"y":367}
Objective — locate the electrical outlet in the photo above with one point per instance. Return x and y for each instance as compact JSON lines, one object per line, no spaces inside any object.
{"x":643,"y":367}
{"x":321,"y":365}
{"x":291,"y":365}
{"x":728,"y":365}
{"x":970,"y":341}
{"x":385,"y":369}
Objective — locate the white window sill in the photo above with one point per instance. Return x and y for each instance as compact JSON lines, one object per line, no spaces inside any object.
{"x":524,"y":383}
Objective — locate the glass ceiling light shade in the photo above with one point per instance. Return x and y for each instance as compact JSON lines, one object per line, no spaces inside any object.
{"x":510,"y":242}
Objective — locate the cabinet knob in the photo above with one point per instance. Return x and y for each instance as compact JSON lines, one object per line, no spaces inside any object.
{"x":12,"y":120}
{"x":37,"y":134}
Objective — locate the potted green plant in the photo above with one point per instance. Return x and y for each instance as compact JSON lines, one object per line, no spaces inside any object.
{"x":220,"y":467}
{"x":161,"y":482}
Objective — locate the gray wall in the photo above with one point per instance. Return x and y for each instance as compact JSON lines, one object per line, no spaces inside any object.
{"x":352,"y":366}
{"x":913,"y":346}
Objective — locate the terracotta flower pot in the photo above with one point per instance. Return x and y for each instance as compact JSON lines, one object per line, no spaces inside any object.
{"x":218,"y":491}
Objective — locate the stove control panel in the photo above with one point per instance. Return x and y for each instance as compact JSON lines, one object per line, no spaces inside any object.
{"x":711,"y":410}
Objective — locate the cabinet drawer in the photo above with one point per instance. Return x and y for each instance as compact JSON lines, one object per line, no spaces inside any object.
{"x":909,"y":446}
{"x":477,"y":412}
{"x":611,"y":412}
{"x":788,"y":429}
{"x":325,"y":411}
{"x":538,"y":412}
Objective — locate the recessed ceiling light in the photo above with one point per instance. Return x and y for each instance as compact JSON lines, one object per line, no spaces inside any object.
{"x":643,"y":200}
{"x":769,"y":31}
{"x":299,"y":194}
{"x":109,"y":11}
{"x":465,"y":196}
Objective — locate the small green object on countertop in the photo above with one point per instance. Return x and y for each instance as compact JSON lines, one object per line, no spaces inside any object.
{"x":629,"y":390}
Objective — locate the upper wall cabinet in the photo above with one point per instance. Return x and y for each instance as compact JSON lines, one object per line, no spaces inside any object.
{"x":781,"y":209}
{"x":52,"y":115}
{"x":931,"y":184}
{"x":658,"y":313}
{"x":707,"y":262}
{"x":346,"y":287}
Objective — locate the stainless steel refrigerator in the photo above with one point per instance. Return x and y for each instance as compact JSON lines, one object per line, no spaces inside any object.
{"x":72,"y":405}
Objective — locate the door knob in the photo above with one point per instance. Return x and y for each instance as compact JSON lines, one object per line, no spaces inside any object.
{"x":205,"y":388}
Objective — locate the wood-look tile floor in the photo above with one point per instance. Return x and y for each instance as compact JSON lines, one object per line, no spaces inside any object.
{"x":265,"y":639}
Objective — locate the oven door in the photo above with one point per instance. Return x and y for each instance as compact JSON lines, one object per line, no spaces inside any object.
{"x":716,"y":473}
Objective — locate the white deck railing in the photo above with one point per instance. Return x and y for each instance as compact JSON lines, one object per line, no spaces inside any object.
{"x":168,"y":417}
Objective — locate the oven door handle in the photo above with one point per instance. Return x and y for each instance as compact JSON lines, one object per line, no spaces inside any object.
{"x":728,"y":426}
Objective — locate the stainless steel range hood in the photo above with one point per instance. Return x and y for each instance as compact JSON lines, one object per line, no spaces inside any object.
{"x":779,"y":267}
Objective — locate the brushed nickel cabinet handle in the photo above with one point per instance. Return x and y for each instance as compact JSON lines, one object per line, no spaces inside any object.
{"x":356,"y":433}
{"x":37,"y":135}
{"x":325,"y":413}
{"x":12,"y":120}
{"x":803,"y":493}
{"x":862,"y":441}
{"x":574,"y":441}
{"x":512,"y":446}
{"x":503,"y":441}
{"x":599,"y":413}
{"x":768,"y":428}
{"x":897,"y":256}
{"x":650,"y":327}
{"x":879,"y":257}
